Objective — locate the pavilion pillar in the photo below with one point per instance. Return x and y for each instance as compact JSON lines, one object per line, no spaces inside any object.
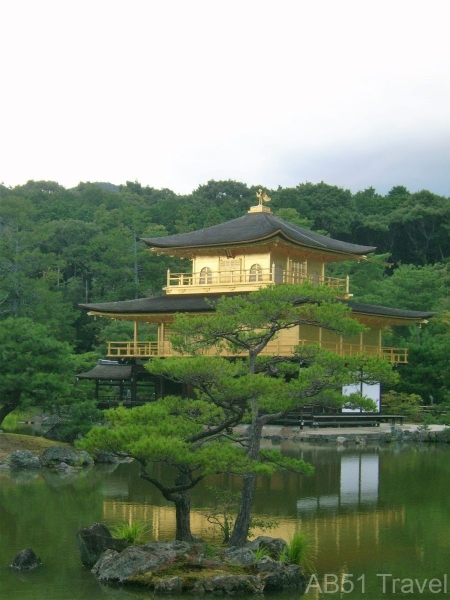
{"x":160,"y":338}
{"x":133,"y":382}
{"x":135,"y":338}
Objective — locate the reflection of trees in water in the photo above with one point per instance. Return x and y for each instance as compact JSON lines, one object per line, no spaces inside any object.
{"x":19,"y":475}
{"x":404,"y":531}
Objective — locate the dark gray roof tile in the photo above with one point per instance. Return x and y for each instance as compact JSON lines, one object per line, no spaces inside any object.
{"x":113,"y":372}
{"x":252,"y":228}
{"x":202,"y":303}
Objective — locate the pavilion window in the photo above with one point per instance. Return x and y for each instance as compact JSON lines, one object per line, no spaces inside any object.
{"x":278,"y":274}
{"x":255,"y":273}
{"x":230,"y":270}
{"x":205,"y":276}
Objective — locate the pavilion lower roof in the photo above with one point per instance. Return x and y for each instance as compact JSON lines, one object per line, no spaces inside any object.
{"x":199,"y":303}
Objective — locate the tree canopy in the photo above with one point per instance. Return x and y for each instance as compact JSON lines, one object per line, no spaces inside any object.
{"x":277,"y":385}
{"x":34,"y":367}
{"x":61,"y":247}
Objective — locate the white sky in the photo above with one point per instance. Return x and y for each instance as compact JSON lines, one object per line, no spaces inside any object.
{"x":174,"y":93}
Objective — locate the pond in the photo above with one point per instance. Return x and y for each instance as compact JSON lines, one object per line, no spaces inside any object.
{"x":376,"y":514}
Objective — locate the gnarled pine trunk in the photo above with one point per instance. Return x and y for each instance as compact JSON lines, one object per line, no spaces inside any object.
{"x":182,"y":502}
{"x":242,"y":523}
{"x":180,"y":497}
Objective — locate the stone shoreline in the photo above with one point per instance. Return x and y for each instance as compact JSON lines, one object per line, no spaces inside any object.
{"x":384,"y":433}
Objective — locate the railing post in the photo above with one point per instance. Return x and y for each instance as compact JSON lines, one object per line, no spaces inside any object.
{"x":168,"y":277}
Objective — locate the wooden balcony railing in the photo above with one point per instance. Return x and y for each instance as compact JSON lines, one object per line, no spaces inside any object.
{"x":256,"y":278}
{"x":393,"y":355}
{"x":132,"y":349}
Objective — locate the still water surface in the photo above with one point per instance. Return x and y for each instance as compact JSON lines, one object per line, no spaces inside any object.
{"x":376,"y":513}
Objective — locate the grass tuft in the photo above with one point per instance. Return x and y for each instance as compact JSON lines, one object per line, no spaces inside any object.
{"x":300,"y":551}
{"x":134,"y":532}
{"x":260,"y":552}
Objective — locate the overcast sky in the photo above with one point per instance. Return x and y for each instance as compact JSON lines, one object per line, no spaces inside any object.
{"x":175,"y":93}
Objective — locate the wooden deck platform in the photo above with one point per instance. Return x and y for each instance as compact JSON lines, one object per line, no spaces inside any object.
{"x":317,"y":421}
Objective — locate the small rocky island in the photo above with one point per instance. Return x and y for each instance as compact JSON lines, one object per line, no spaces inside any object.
{"x":178,"y":567}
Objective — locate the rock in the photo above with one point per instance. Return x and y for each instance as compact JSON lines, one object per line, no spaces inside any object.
{"x":286,"y":577}
{"x":212,"y":562}
{"x":229,"y":585}
{"x":136,"y":560}
{"x":239,"y":556}
{"x":49,"y":421}
{"x":169,"y":586}
{"x":94,"y":540}
{"x":26,"y":560}
{"x":267,"y":564}
{"x":274,"y":546}
{"x":341,"y":439}
{"x":57,"y":433}
{"x":101,"y":456}
{"x":57,"y":454}
{"x":22,"y":459}
{"x":396,"y":433}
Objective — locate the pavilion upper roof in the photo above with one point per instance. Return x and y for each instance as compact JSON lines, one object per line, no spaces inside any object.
{"x":252,"y":228}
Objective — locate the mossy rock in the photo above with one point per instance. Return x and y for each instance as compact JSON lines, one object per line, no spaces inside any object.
{"x":57,"y":454}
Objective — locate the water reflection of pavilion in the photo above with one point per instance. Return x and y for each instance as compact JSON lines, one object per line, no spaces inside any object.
{"x":358,"y":487}
{"x":340,"y":507}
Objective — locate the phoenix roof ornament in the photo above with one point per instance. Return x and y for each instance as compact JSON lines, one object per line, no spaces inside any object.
{"x":262,"y":197}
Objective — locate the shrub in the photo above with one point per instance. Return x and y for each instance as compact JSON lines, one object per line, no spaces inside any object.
{"x":82,"y":417}
{"x":222,"y":513}
{"x":437,"y":414}
{"x":399,"y":403}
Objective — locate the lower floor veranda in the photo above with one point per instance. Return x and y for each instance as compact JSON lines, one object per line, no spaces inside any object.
{"x":369,"y":342}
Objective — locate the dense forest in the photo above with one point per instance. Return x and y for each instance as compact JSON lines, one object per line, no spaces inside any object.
{"x":60,"y":247}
